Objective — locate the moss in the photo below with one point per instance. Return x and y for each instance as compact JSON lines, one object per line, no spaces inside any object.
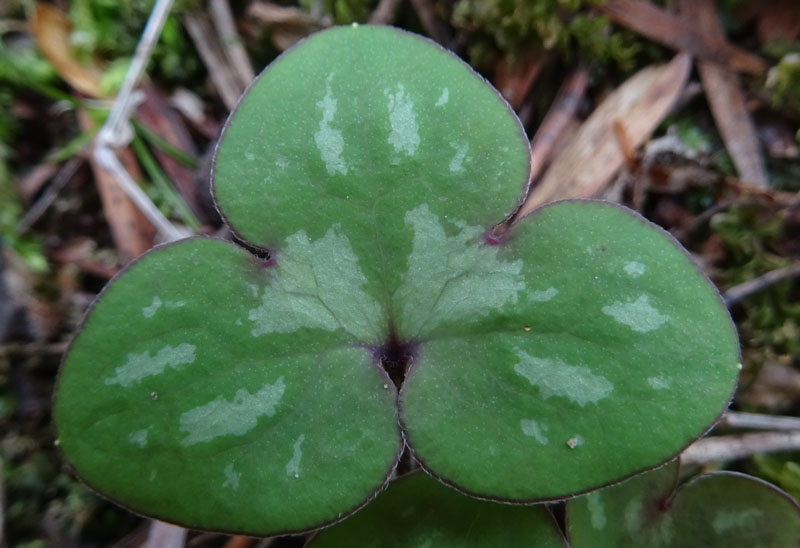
{"x":783,"y":82}
{"x":569,"y":27}
{"x":594,"y":40}
{"x":768,"y":321}
{"x":111,"y":29}
{"x":21,"y":65}
{"x":344,"y":11}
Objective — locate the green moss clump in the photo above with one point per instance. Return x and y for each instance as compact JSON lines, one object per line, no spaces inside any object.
{"x":342,"y":11}
{"x":769,"y":321}
{"x":567,"y":26}
{"x":111,"y":30}
{"x":783,"y":81}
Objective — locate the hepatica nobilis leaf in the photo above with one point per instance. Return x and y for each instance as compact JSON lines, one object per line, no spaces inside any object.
{"x":719,"y":510}
{"x":219,"y":391}
{"x":419,"y":511}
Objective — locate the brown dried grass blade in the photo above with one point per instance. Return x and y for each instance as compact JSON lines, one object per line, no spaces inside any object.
{"x":514,"y":78}
{"x":594,"y":155}
{"x":726,"y":99}
{"x":681,"y":34}
{"x":51,"y":29}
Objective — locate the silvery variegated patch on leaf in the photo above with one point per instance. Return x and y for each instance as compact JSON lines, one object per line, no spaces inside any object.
{"x":216,"y":390}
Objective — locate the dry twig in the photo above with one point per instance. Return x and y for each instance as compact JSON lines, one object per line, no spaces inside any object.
{"x":593,"y":155}
{"x":165,"y":535}
{"x":514,"y":78}
{"x":431,"y":22}
{"x":680,"y":33}
{"x":558,"y":117}
{"x":384,"y":12}
{"x":288,"y":24}
{"x":758,"y":421}
{"x":117,"y":132}
{"x":61,"y":179}
{"x":739,"y":292}
{"x":728,"y":448}
{"x":726,"y":99}
{"x":129,"y":212}
{"x":32,"y":349}
{"x":213,"y":56}
{"x":231,"y":41}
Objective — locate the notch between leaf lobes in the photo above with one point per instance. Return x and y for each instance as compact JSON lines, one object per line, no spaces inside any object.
{"x":395,"y":357}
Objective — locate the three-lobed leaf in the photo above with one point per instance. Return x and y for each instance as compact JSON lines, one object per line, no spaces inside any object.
{"x":219,"y":391}
{"x":718,"y":510}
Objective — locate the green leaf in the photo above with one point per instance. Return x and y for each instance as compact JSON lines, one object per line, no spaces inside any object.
{"x":608,"y":329}
{"x":171,"y":402}
{"x":381,"y":123}
{"x":418,"y":511}
{"x":219,"y":391}
{"x":719,"y":510}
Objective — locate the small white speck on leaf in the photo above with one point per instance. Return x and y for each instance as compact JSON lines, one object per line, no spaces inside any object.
{"x":293,"y":466}
{"x":633,"y":515}
{"x":535,"y":430}
{"x":150,"y":310}
{"x":139,"y":437}
{"x":596,"y":510}
{"x":634,"y":269}
{"x":231,"y":478}
{"x":443,"y":98}
{"x":457,"y":163}
{"x":574,"y":442}
{"x":658,"y":383}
